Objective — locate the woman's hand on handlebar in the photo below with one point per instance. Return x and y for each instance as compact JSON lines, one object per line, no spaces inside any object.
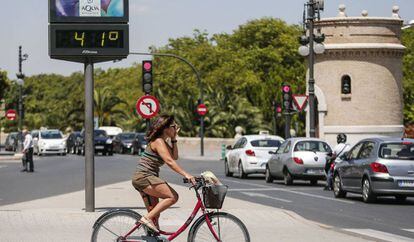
{"x":191,"y":179}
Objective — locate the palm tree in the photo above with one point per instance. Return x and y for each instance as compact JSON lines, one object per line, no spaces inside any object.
{"x":106,"y":107}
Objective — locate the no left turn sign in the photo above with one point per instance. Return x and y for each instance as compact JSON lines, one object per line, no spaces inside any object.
{"x":147,"y":106}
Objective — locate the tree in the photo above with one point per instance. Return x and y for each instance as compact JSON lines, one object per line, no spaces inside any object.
{"x":106,"y":105}
{"x":408,"y":75}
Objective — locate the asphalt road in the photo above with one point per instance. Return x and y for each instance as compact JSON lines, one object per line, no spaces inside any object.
{"x":54,"y":175}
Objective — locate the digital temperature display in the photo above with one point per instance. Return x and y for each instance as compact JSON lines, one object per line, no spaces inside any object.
{"x":89,"y":39}
{"x":97,"y":41}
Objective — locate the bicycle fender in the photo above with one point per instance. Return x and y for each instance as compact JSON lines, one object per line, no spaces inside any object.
{"x":99,"y":220}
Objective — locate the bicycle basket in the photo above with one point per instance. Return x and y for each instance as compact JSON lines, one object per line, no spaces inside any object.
{"x":213,"y":196}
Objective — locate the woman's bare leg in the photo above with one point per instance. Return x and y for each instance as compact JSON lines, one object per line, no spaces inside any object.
{"x":150,"y":202}
{"x":168,"y":195}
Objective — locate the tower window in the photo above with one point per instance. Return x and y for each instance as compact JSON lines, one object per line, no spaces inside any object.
{"x":346,"y":84}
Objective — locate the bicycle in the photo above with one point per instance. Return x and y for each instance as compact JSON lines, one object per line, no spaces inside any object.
{"x":122,"y":225}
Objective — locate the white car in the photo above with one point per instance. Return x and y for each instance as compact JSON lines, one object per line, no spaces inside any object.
{"x":111,"y":131}
{"x":250,"y":154}
{"x":49,"y":141}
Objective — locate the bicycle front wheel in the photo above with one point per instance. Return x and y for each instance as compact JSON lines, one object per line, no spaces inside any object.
{"x":227,"y":227}
{"x":115,"y":225}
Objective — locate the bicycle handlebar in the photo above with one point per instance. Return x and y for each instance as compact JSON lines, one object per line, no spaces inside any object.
{"x":198,"y":179}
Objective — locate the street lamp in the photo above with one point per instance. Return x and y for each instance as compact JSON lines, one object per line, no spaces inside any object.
{"x":311,"y":44}
{"x":20,"y":82}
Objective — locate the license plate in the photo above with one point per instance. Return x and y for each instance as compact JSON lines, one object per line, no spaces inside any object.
{"x":314,"y":171}
{"x":99,"y":147}
{"x":406,"y":183}
{"x":54,"y":147}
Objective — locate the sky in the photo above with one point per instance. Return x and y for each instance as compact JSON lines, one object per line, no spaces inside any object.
{"x":153,"y":22}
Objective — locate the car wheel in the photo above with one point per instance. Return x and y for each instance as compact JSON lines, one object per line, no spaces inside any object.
{"x":401,"y":198}
{"x":242,"y":174}
{"x":367,"y":195}
{"x":110,"y":153}
{"x":268,"y":177}
{"x":314,"y":182}
{"x":287,"y":178}
{"x":226,"y":169}
{"x":64,"y":153}
{"x":337,"y":187}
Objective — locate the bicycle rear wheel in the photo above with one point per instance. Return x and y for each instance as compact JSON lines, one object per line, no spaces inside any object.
{"x":116,"y":224}
{"x":228,"y":227}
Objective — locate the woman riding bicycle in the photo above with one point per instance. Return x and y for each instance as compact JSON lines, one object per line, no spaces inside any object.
{"x":146,"y":178}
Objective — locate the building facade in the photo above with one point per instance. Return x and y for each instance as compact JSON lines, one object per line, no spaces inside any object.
{"x":364,"y":55}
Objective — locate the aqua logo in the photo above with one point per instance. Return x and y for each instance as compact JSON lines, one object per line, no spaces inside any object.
{"x":90,"y":8}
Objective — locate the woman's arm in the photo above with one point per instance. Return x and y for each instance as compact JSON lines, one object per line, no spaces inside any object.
{"x":174,"y":149}
{"x":161,"y":148}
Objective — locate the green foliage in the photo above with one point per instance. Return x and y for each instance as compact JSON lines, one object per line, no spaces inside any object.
{"x":408,"y":74}
{"x":241,"y":72}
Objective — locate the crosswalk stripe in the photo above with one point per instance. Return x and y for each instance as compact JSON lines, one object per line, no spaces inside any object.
{"x":409,"y":230}
{"x":380,"y":235}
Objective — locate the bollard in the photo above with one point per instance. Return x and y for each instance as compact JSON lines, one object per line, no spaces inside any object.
{"x":223,"y":151}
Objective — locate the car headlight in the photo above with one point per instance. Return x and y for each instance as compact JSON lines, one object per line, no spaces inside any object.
{"x":109,"y":141}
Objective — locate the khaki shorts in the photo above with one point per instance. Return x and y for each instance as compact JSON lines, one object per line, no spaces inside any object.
{"x":142,"y":180}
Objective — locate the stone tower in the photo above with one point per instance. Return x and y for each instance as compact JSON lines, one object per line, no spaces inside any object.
{"x":365,"y":52}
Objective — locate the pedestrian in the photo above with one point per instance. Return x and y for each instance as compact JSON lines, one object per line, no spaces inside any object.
{"x":161,"y":148}
{"x":27,"y":151}
{"x":338,"y":151}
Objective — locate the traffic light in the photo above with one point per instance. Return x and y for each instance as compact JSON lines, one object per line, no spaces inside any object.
{"x":147,"y":76}
{"x":346,"y":85}
{"x":287,"y":97}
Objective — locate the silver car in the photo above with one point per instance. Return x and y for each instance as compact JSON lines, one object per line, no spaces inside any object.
{"x":377,"y":167}
{"x":298,"y":158}
{"x":250,"y":154}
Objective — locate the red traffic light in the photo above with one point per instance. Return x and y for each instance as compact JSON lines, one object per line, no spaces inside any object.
{"x":147,"y":65}
{"x":286,"y":88}
{"x":278,"y":109}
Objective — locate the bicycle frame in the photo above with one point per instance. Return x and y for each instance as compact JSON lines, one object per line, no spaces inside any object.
{"x":172,"y":235}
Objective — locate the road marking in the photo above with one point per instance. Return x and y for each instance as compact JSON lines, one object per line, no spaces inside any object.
{"x":409,"y":230}
{"x":3,"y":166}
{"x":380,"y":235}
{"x":254,"y":194}
{"x":291,"y":191}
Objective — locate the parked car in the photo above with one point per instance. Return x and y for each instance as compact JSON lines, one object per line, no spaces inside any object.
{"x":11,"y":141}
{"x":250,"y":154}
{"x":49,"y":141}
{"x":377,"y":167}
{"x":71,"y":142}
{"x":139,"y":144}
{"x":122,"y":142}
{"x":102,"y":143}
{"x":298,"y":158}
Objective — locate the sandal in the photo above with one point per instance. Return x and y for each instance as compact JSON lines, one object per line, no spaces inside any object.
{"x":149,"y":224}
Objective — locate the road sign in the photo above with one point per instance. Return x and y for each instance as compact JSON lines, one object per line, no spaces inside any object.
{"x":147,"y":106}
{"x":300,"y":101}
{"x":202,"y":109}
{"x":11,"y":114}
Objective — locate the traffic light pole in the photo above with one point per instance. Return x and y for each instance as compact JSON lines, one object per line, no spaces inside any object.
{"x":311,"y":18}
{"x":89,"y":147}
{"x":201,"y":133}
{"x":287,"y":124}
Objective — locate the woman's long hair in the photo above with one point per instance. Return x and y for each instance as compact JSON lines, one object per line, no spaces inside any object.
{"x":162,"y":122}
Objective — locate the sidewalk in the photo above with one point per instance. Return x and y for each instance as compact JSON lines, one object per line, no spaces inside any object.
{"x":6,"y":156}
{"x":62,"y":218}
